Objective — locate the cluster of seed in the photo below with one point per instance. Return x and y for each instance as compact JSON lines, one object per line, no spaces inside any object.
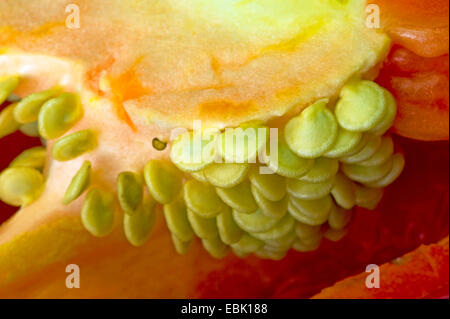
{"x":327,"y":163}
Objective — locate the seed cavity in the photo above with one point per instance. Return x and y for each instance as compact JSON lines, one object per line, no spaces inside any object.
{"x":20,"y":186}
{"x":313,"y":132}
{"x":7,"y":85}
{"x":362,"y":106}
{"x":27,"y":110}
{"x":139,"y":226}
{"x":74,"y":145}
{"x":33,"y":158}
{"x":58,"y":115}
{"x":97,"y":214}
{"x":130,"y":192}
{"x":163,"y":180}
{"x":8,"y":123}
{"x":80,"y":182}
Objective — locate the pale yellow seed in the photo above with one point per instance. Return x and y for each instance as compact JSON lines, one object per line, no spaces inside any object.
{"x":229,"y":231}
{"x":30,"y":129}
{"x":344,"y":192}
{"x":139,"y":226}
{"x":367,"y":197}
{"x":281,"y":229}
{"x":304,"y":231}
{"x":203,"y":227}
{"x":215,"y":247}
{"x":7,"y":85}
{"x":271,"y":186}
{"x":268,"y":207}
{"x":202,"y":199}
{"x":323,"y":170}
{"x":181,"y":247}
{"x":200,"y":176}
{"x":365,"y":174}
{"x":163,"y":180}
{"x":34,"y":158}
{"x":398,"y":165}
{"x":311,"y":212}
{"x":73,"y":145}
{"x":346,"y":143}
{"x":226,"y":175}
{"x":239,"y":197}
{"x":339,"y":218}
{"x":20,"y":185}
{"x":175,"y":214}
{"x":335,"y":234}
{"x":130,"y":192}
{"x":307,"y":190}
{"x":303,"y":246}
{"x":389,"y":118}
{"x":8,"y":124}
{"x":369,"y":150}
{"x":256,"y":222}
{"x":58,"y":115}
{"x":27,"y":110}
{"x":80,"y":182}
{"x":97,"y":214}
{"x":383,"y":154}
{"x":248,"y":244}
{"x":282,"y":243}
{"x":272,"y":255}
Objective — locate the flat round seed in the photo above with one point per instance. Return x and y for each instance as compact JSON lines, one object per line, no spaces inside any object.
{"x":383,"y":154}
{"x":215,"y":247}
{"x":366,"y":174}
{"x":242,"y":144}
{"x":30,"y":129}
{"x":239,"y":254}
{"x":176,"y":218}
{"x":130,"y":192}
{"x":307,"y":190}
{"x":324,"y":169}
{"x":339,"y":218}
{"x":80,"y":182}
{"x":310,"y":212}
{"x":58,"y":115}
{"x":346,"y":143}
{"x":282,"y":243}
{"x":202,"y":199}
{"x":335,"y":234}
{"x":229,"y":231}
{"x":369,"y":150}
{"x":388,"y":119}
{"x":256,"y":222}
{"x":34,"y":158}
{"x":239,"y":197}
{"x":304,"y":231}
{"x":139,"y":226}
{"x":200,"y":176}
{"x":7,"y":85}
{"x":163,"y":180}
{"x":272,"y":255}
{"x":203,"y":227}
{"x":281,"y":229}
{"x":362,"y":106}
{"x":271,"y":186}
{"x":97,"y":214}
{"x":20,"y":185}
{"x":367,"y":197}
{"x":181,"y":247}
{"x":398,"y":164}
{"x":73,"y":145}
{"x":8,"y":123}
{"x":248,"y":244}
{"x":313,"y":132}
{"x":226,"y":175}
{"x":344,"y":192}
{"x":270,"y":208}
{"x":305,"y":247}
{"x":27,"y":110}
{"x":191,"y":152}
{"x":287,"y":163}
